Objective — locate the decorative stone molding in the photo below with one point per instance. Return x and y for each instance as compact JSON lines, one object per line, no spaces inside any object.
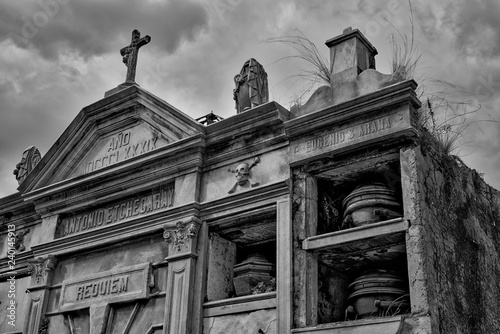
{"x":181,"y":235}
{"x":31,"y":157}
{"x":39,"y":268}
{"x":19,"y":240}
{"x":44,"y":327}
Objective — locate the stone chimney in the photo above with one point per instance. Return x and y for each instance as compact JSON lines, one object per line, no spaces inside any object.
{"x":350,"y":53}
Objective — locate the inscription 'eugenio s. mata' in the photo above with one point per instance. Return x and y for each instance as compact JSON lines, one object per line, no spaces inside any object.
{"x":121,"y":147}
{"x":155,"y":200}
{"x":345,"y":135}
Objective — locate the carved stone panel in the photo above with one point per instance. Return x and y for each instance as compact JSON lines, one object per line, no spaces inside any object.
{"x":348,"y":135}
{"x":142,"y":204}
{"x":112,"y":286}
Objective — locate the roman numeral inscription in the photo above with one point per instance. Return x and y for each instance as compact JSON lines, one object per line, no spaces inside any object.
{"x":120,"y":147}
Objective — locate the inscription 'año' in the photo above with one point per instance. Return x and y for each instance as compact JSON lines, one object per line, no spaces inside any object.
{"x":119,"y":149}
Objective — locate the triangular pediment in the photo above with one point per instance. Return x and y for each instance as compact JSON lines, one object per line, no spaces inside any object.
{"x":109,"y":133}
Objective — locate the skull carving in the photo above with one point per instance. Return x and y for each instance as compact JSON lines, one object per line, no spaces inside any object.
{"x":242,"y":173}
{"x":243,"y":179}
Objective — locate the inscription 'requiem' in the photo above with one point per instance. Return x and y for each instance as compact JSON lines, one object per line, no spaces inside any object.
{"x":158,"y":199}
{"x":109,"y":286}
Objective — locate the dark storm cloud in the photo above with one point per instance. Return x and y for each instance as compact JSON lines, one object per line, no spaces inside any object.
{"x":91,"y":27}
{"x":476,"y":25}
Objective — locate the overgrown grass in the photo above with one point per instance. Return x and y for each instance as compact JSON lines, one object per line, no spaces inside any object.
{"x":404,"y":51}
{"x":318,"y":70}
{"x":444,"y":112}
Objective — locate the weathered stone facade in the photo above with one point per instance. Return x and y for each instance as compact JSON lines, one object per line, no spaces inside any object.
{"x":136,"y":218}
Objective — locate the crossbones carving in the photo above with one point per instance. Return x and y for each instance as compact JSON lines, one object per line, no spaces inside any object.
{"x":243,"y":175}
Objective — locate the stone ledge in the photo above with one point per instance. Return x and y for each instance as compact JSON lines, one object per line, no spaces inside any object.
{"x":367,"y":326}
{"x":240,"y":304}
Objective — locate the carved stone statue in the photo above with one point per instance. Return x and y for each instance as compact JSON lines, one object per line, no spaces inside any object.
{"x":243,"y":176}
{"x":251,"y":86}
{"x":31,"y":157}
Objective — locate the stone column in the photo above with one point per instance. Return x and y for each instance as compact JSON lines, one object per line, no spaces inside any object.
{"x":284,"y":265}
{"x":305,"y":265}
{"x":182,"y":240}
{"x":41,"y":270}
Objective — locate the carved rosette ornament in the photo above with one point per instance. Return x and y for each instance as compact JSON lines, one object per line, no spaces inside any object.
{"x":181,"y":235}
{"x":39,"y":269}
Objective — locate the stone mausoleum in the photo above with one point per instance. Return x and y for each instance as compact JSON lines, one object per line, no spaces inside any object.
{"x":342,"y":215}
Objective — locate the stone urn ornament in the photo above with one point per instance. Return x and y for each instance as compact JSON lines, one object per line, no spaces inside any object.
{"x":378,"y":292}
{"x":250,"y":273}
{"x":370,"y":203}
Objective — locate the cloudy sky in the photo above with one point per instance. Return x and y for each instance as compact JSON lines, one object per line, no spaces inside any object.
{"x":58,"y":56}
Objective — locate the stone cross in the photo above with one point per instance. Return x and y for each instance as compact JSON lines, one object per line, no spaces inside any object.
{"x":130,"y":53}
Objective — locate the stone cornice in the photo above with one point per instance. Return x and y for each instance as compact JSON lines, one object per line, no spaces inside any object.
{"x":20,"y":268}
{"x":256,"y":198}
{"x":175,"y":150}
{"x":263,"y":116}
{"x":364,"y":105}
{"x":113,"y":233}
{"x":120,"y":108}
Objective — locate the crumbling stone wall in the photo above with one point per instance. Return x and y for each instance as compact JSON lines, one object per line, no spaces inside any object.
{"x":460,"y":217}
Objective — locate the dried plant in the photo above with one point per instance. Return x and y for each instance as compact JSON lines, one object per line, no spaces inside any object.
{"x":263,"y":287}
{"x":444,"y":112}
{"x":319,"y":69}
{"x":405,"y":55}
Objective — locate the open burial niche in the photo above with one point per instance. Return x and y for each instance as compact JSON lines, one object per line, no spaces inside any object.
{"x":242,"y":256}
{"x":367,"y":276}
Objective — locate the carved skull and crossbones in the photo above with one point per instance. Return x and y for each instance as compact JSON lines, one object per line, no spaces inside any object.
{"x":243,"y":175}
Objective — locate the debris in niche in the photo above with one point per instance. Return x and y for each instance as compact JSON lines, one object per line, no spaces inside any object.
{"x":264,"y":287}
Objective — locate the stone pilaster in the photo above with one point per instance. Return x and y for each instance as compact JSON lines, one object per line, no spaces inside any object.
{"x":305,"y":265}
{"x":284,"y":272}
{"x":182,"y":239}
{"x":41,"y":270}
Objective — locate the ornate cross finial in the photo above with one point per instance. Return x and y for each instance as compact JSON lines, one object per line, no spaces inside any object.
{"x":130,"y":53}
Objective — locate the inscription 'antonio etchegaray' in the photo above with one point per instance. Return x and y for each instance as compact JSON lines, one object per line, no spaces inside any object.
{"x":158,"y":199}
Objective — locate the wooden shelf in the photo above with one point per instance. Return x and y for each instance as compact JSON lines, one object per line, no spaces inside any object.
{"x":353,"y":235}
{"x":362,"y":247}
